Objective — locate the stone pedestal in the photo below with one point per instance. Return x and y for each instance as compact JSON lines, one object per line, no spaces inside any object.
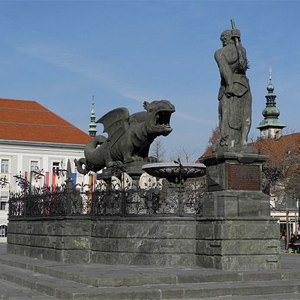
{"x":235,"y":231}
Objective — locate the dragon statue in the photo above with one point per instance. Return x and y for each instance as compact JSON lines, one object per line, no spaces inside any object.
{"x":129,"y":136}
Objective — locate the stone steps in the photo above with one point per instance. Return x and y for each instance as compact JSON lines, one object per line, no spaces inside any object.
{"x":121,"y":275}
{"x":10,"y":291}
{"x":252,"y":297}
{"x":97,"y":276}
{"x":55,"y":280}
{"x":65,"y":289}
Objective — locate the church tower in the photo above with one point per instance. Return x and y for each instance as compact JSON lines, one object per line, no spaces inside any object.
{"x":93,"y":125}
{"x":271,"y":126}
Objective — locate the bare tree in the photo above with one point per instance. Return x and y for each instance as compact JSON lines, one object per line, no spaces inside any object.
{"x":158,"y":150}
{"x":186,"y":155}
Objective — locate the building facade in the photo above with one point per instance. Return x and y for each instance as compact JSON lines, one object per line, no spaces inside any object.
{"x":35,"y":145}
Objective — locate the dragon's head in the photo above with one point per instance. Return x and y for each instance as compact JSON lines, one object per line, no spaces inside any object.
{"x":158,"y":116}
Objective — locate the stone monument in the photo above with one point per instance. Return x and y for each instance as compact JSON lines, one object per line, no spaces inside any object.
{"x":126,"y":148}
{"x":234,"y":94}
{"x":235,"y":230}
{"x":170,"y":224}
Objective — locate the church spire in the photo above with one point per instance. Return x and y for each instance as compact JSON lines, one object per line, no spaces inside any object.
{"x":271,"y":126}
{"x":93,"y":125}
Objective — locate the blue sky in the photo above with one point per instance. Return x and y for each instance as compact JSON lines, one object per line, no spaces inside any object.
{"x":60,"y":53}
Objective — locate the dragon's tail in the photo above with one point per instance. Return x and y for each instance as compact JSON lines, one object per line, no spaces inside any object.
{"x":79,"y":165}
{"x":92,"y":151}
{"x":94,"y":156}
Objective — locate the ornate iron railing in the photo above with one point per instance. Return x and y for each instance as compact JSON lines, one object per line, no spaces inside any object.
{"x":162,"y":199}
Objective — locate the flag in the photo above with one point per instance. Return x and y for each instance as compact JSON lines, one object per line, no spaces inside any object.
{"x":31,"y":174}
{"x":91,"y":182}
{"x":47,"y":179}
{"x":53,"y":181}
{"x":25,"y":183}
{"x":74,"y":178}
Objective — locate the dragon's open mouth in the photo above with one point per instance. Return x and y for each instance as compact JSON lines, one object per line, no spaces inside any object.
{"x":163,"y":118}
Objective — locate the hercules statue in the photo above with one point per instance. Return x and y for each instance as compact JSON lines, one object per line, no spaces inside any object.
{"x":234,"y":97}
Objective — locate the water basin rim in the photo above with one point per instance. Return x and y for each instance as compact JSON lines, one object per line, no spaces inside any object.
{"x":172,"y":164}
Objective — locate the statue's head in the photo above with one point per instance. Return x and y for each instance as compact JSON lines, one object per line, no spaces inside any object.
{"x":228,"y":35}
{"x":158,"y":116}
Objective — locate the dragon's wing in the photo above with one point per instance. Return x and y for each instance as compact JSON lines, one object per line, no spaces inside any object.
{"x":116,"y":123}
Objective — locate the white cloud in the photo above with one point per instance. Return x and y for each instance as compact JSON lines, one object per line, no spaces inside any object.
{"x":97,"y":71}
{"x":193,"y":119}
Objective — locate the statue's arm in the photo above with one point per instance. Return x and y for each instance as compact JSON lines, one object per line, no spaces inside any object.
{"x":224,"y":68}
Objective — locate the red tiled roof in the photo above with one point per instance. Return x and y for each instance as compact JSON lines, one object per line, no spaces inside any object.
{"x":278,"y":148}
{"x":30,"y":121}
{"x":208,"y":152}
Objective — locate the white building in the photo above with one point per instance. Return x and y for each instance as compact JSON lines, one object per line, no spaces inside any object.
{"x":33,"y":142}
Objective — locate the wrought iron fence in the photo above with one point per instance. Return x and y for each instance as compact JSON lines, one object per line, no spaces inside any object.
{"x":159,"y":199}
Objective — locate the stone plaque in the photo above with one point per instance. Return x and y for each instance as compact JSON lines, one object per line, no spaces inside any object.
{"x":243,"y":177}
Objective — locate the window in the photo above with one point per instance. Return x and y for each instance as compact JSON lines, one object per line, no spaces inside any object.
{"x":3,"y":205}
{"x":4,"y":195}
{"x":34,"y":165}
{"x":3,"y":230}
{"x":4,"y":200}
{"x":4,"y":165}
{"x":55,"y":166}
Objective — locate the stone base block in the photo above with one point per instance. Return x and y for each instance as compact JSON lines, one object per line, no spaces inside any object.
{"x":66,"y":256}
{"x":229,"y":244}
{"x":239,"y":262}
{"x":144,"y":241}
{"x":238,"y":244}
{"x":232,"y":204}
{"x":159,"y":259}
{"x":111,"y":240}
{"x":63,"y":240}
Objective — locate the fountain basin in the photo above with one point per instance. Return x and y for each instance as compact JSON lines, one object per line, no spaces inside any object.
{"x":175,"y":172}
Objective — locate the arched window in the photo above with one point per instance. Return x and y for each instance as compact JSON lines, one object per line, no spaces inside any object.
{"x":3,"y":230}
